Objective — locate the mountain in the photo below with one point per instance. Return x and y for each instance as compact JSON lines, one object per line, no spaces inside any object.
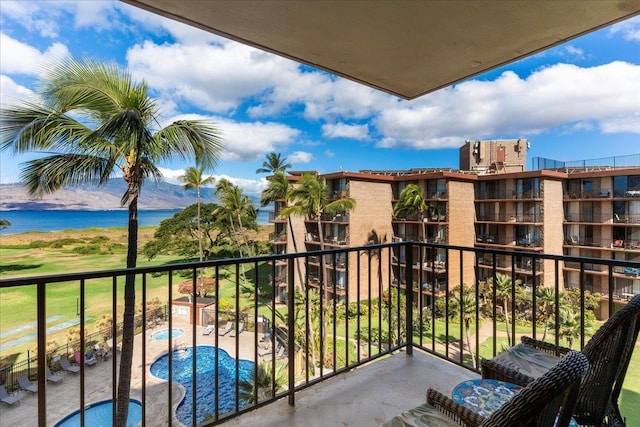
{"x":160,"y":195}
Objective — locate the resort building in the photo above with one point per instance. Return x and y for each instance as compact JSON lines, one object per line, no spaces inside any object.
{"x":575,"y":210}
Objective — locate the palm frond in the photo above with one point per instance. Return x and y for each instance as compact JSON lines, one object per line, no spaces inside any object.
{"x":48,"y":174}
{"x":191,"y":138}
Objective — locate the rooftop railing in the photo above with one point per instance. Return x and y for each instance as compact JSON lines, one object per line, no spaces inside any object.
{"x":328,"y":324}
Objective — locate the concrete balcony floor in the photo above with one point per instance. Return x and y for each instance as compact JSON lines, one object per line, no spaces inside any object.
{"x":366,"y":396}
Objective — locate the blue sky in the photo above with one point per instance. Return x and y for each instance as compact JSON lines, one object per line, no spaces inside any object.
{"x":580,"y":100}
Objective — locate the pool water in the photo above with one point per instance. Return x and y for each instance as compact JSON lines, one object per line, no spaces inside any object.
{"x":163,"y":334}
{"x":205,"y":379}
{"x":100,"y":415}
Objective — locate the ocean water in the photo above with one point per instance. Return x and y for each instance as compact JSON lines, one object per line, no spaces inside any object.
{"x":23,"y":221}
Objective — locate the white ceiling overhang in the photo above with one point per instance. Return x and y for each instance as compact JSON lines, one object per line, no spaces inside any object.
{"x":406,"y":48}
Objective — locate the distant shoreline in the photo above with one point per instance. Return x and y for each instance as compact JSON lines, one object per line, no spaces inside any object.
{"x":117,"y":234}
{"x":78,"y":219}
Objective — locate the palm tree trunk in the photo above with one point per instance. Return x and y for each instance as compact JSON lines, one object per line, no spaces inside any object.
{"x":244,"y":235}
{"x":128,"y":324}
{"x":295,"y":249}
{"x":325,"y":271}
{"x":467,"y":325}
{"x":506,"y":320}
{"x":200,"y":251}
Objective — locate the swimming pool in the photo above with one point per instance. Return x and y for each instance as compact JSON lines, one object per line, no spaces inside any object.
{"x":100,"y":415}
{"x":205,"y":377}
{"x":163,"y":334}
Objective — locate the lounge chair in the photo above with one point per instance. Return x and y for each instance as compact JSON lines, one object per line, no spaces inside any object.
{"x":280,"y":353}
{"x":208,"y":330}
{"x":265,"y":351}
{"x":53,"y":377}
{"x":224,"y":330}
{"x":238,"y":331}
{"x":7,"y":398}
{"x":25,"y":384}
{"x":66,"y":366}
{"x":547,"y":401}
{"x":90,"y":359}
{"x":608,"y":351}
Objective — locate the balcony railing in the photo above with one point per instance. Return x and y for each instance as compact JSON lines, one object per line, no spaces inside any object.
{"x":326,"y":325}
{"x":626,"y":219}
{"x":510,"y":217}
{"x":591,"y":217}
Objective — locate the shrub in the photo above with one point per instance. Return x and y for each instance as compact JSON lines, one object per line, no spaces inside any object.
{"x":88,"y":250}
{"x":36,"y":244}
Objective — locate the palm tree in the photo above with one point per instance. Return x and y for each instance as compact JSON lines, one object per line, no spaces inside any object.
{"x":464,"y":305}
{"x":546,"y":297}
{"x":503,"y":288}
{"x":236,"y":206}
{"x":274,"y":164}
{"x":413,"y":201}
{"x":311,"y":199}
{"x":279,"y":189}
{"x":193,"y":179}
{"x":569,"y":325}
{"x":93,"y":120}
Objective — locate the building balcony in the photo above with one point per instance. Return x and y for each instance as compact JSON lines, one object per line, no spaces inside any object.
{"x":278,"y":238}
{"x":426,"y":352}
{"x":276,"y":218}
{"x":626,"y":219}
{"x":604,"y":193}
{"x":588,"y":218}
{"x":508,"y":217}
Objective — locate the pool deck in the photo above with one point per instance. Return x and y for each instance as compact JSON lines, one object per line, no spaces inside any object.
{"x":64,"y":397}
{"x":366,"y":396}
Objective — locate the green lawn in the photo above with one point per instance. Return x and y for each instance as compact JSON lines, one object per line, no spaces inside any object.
{"x":18,"y":305}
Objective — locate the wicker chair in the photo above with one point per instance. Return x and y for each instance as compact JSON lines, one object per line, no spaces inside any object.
{"x":546,"y":401}
{"x":608,"y":351}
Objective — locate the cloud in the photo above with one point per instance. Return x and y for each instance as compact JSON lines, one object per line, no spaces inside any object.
{"x":246,"y":141}
{"x":20,"y":58}
{"x":12,"y":93}
{"x":629,"y":29}
{"x":218,"y":75}
{"x":329,"y":153}
{"x":32,"y":17}
{"x":621,"y":124}
{"x":555,"y":96}
{"x":212,"y":76}
{"x":575,"y":52}
{"x":343,"y":130}
{"x":300,"y":157}
{"x":251,"y":187}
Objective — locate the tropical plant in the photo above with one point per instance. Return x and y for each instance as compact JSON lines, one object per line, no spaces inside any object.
{"x":504,"y":288}
{"x":105,"y":326}
{"x":263,"y":383}
{"x":568,"y":326}
{"x":462,"y":304}
{"x":177,"y":235}
{"x":206,"y":285}
{"x":310,"y":198}
{"x":546,"y":297}
{"x":280,"y":190}
{"x":4,"y":224}
{"x":239,"y":208}
{"x":413,"y":201}
{"x":93,"y":121}
{"x":394,"y":313}
{"x":194,"y":178}
{"x":274,"y":164}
